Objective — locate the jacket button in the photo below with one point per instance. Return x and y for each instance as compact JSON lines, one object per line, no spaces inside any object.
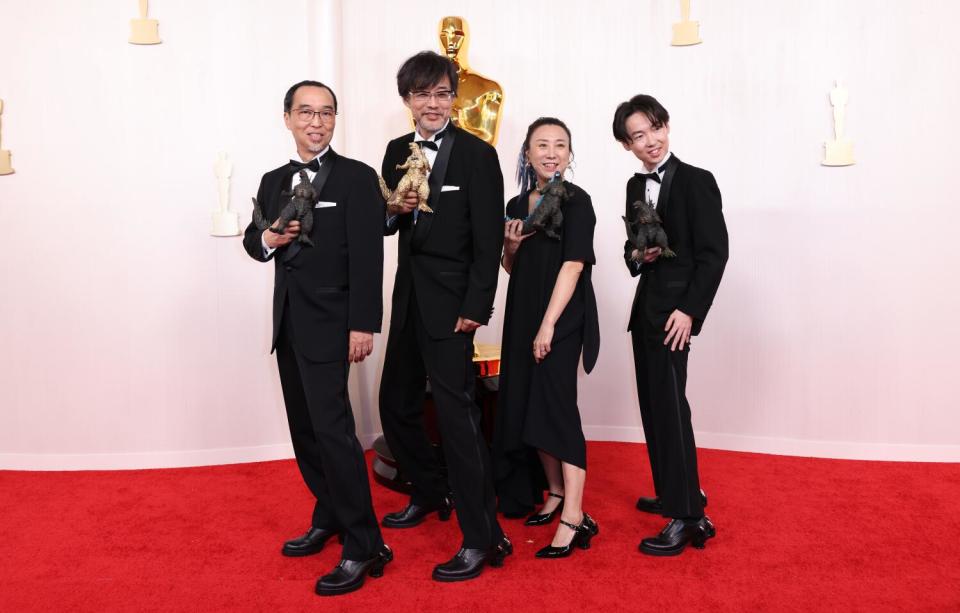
{"x":288,"y":268}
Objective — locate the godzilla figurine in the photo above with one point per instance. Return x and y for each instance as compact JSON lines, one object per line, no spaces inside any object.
{"x":415,"y":179}
{"x":547,"y":214}
{"x":646,"y":230}
{"x":299,"y":207}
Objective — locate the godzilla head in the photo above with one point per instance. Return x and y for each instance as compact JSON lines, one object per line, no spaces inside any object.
{"x":645,"y":213}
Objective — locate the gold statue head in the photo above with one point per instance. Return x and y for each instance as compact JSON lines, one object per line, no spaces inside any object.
{"x":453,"y":36}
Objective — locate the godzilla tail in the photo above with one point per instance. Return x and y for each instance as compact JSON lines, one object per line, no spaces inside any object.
{"x":258,"y":219}
{"x":383,"y":188}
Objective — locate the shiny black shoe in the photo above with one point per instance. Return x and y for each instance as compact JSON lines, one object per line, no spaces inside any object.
{"x":675,"y":536}
{"x":469,"y":563}
{"x":349,"y":575}
{"x":414,"y":514}
{"x":653,"y":505}
{"x":310,"y":543}
{"x":539,"y":519}
{"x":581,"y":538}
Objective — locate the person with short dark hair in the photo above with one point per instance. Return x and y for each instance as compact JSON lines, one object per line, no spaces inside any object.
{"x":446,"y":279}
{"x":327,"y":305}
{"x":671,"y":303}
{"x":550,"y":319}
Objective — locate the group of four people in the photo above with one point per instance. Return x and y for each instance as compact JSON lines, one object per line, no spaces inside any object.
{"x":328,"y":304}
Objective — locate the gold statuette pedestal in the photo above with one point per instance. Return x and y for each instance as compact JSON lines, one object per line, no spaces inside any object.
{"x":5,"y":167}
{"x":225,"y":223}
{"x":838,"y":153}
{"x":144,"y":31}
{"x":686,"y":33}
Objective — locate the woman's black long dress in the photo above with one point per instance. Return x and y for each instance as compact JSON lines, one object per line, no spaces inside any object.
{"x":537,"y":407}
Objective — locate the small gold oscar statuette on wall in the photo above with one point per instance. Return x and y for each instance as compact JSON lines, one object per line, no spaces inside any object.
{"x":144,"y":31}
{"x":686,"y":32}
{"x":839,"y":151}
{"x":5,"y":167}
{"x":225,"y":221}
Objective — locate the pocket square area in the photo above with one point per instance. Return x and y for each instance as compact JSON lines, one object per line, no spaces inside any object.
{"x":323,"y":205}
{"x":450,"y":188}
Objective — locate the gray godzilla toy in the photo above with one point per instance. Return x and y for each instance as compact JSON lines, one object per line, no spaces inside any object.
{"x":299,"y":207}
{"x":547,"y":214}
{"x":646,"y":230}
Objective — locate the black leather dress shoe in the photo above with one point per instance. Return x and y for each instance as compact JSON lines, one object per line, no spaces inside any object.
{"x":348,"y":575}
{"x":653,"y":505}
{"x":469,"y":563}
{"x":414,"y":514}
{"x":675,"y":536}
{"x":581,"y":538}
{"x":539,"y":519}
{"x":310,"y":543}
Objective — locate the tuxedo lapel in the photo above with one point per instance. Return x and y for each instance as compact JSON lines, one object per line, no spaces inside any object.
{"x":668,"y":175}
{"x":320,"y":179}
{"x":437,"y":174}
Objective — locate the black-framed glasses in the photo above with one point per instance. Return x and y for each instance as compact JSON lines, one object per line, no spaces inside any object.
{"x":422,"y":97}
{"x":306,"y":115}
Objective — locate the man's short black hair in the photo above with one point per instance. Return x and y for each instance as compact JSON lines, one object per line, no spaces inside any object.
{"x":423,"y":71}
{"x":288,"y":99}
{"x":641,"y":103}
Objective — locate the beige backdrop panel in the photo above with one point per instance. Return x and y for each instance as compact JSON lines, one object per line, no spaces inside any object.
{"x":128,"y":337}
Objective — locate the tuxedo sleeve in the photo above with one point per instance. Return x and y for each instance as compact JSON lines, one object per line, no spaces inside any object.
{"x":253,"y":235}
{"x":365,"y":252}
{"x":485,"y":202}
{"x":710,"y":246}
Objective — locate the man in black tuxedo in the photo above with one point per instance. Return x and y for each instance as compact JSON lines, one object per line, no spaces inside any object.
{"x":448,"y":263}
{"x":327,"y":305}
{"x":670,"y":305}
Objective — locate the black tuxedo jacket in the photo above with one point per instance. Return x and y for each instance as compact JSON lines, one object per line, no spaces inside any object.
{"x":336,"y":285}
{"x":450,"y":257}
{"x":689,"y":205}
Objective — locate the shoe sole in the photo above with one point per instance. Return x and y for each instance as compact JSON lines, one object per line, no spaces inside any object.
{"x":308,"y":552}
{"x":664,"y":553}
{"x":440,"y":516}
{"x":444,"y":579}
{"x":375,"y":572}
{"x":340,"y":590}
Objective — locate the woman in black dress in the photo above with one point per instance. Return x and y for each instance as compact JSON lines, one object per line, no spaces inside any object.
{"x":550,"y":318}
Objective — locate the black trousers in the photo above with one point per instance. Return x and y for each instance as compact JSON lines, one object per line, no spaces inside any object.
{"x":665,"y":413}
{"x":326,"y":447}
{"x":411,"y":357}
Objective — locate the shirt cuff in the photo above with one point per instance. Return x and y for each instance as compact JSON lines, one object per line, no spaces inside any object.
{"x":266,"y":250}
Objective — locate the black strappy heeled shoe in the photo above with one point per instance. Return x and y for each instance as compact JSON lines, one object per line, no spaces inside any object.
{"x":581,"y":538}
{"x":539,"y":519}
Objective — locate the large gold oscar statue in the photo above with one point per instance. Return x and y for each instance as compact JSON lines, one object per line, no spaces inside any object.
{"x":477,"y":107}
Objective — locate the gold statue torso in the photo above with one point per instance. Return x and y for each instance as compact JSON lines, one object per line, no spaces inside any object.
{"x":476,"y":108}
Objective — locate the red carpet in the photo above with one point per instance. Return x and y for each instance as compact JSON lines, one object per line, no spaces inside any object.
{"x":793,"y":534}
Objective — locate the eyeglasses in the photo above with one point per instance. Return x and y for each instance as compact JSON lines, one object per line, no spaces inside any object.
{"x":422,"y":97}
{"x":306,"y":115}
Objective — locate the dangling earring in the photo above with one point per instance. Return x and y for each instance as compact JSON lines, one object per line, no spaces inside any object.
{"x":571,"y":167}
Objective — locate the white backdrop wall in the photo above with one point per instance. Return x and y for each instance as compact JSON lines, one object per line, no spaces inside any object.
{"x":129,"y":337}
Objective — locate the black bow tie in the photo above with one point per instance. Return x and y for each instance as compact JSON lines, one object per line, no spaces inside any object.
{"x":649,"y":175}
{"x":435,"y":143}
{"x":313,"y":164}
